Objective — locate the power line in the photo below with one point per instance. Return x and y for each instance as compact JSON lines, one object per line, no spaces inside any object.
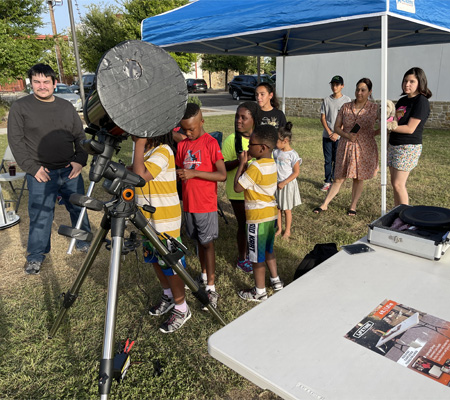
{"x":78,"y":9}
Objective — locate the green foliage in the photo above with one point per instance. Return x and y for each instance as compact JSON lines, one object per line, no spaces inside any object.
{"x":101,"y":29}
{"x":267,"y":65}
{"x":4,"y":107}
{"x":67,"y":56}
{"x":184,"y":60}
{"x":217,"y":63}
{"x":138,"y":10}
{"x":19,"y":50}
{"x":195,"y":100}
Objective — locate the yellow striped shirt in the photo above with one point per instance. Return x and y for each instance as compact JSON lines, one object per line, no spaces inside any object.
{"x":260,"y":184}
{"x":161,"y":192}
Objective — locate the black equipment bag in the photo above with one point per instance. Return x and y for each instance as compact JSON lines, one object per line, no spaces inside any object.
{"x":320,"y":253}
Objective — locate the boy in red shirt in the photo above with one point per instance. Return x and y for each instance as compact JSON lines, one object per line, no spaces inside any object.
{"x":201,"y":166}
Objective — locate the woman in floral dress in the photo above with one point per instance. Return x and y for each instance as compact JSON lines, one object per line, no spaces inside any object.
{"x":357,"y":153}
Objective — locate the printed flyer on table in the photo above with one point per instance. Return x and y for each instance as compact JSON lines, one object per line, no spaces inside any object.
{"x":411,"y":338}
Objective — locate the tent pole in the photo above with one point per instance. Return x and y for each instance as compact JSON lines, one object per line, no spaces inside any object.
{"x":283,"y":106}
{"x":384,"y":64}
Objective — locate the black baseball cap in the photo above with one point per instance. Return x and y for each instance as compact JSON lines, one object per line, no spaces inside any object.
{"x":337,"y":79}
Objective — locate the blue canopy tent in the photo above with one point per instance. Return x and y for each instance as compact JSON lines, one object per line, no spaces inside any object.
{"x":299,"y":27}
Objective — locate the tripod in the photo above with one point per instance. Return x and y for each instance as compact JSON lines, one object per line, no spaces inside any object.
{"x":121,"y":184}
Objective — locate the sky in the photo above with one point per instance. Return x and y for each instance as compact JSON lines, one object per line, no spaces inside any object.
{"x":61,"y":13}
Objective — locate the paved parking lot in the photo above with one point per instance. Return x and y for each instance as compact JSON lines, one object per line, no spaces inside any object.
{"x":218,"y":102}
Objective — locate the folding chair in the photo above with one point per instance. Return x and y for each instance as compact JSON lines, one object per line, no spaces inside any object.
{"x":218,"y":136}
{"x":5,"y":177}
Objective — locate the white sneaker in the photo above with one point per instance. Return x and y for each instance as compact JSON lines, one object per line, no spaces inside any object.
{"x":326,"y":186}
{"x":165,"y":304}
{"x":175,"y":321}
{"x":251,"y":295}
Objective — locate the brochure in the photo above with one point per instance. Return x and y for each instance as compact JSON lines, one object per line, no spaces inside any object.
{"x":409,"y":337}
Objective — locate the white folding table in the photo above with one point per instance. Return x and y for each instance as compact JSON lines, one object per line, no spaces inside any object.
{"x":293,"y":343}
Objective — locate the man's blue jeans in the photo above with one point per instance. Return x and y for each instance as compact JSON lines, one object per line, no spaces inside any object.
{"x":329,"y":154}
{"x":41,"y":209}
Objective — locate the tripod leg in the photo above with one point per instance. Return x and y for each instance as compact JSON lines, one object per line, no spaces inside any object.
{"x":141,"y":223}
{"x":80,"y":219}
{"x":72,"y":294}
{"x":107,"y":361}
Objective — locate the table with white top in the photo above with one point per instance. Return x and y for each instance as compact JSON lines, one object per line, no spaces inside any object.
{"x":293,"y":343}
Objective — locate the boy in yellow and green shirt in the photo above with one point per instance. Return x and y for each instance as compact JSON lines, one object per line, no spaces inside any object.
{"x":259,"y":183}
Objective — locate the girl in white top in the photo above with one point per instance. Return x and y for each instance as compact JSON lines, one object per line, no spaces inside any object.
{"x":288,"y":167}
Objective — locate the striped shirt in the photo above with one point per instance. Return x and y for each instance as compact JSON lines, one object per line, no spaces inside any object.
{"x":260,"y":184}
{"x":161,"y":191}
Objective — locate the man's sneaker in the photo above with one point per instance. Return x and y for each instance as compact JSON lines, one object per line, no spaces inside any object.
{"x":245,"y":266}
{"x":213,"y":297}
{"x":32,"y":267}
{"x":165,"y":304}
{"x":326,"y":186}
{"x":251,"y":295}
{"x":175,"y":321}
{"x":276,"y":286}
{"x":83,"y":246}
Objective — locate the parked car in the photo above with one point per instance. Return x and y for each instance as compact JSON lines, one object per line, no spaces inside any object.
{"x":67,"y":93}
{"x":196,"y":85}
{"x":245,"y":85}
{"x":89,"y":83}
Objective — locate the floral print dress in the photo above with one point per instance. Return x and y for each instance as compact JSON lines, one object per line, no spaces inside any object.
{"x":358,"y":160}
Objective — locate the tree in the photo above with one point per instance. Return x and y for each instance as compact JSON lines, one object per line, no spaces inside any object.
{"x":218,"y":63}
{"x":101,"y":29}
{"x":138,"y":10}
{"x":19,"y":49}
{"x":67,"y":55}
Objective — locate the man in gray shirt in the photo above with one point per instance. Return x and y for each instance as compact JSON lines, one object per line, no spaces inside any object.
{"x":44,"y":133}
{"x":328,"y":113}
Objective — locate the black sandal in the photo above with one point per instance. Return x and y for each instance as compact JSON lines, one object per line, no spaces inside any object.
{"x":318,"y":210}
{"x":351,"y":213}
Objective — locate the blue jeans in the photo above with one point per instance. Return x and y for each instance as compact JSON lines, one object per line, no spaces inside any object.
{"x":41,"y":209}
{"x":329,"y":154}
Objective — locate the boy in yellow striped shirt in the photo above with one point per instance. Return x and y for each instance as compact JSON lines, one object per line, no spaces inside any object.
{"x":258,"y":181}
{"x":155,"y":162}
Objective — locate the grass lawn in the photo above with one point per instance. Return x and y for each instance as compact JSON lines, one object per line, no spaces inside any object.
{"x":34,"y":367}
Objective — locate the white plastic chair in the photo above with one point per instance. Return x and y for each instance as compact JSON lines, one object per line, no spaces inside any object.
{"x":5,"y":177}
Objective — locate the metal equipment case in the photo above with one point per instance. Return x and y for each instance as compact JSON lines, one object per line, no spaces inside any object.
{"x":426,"y":243}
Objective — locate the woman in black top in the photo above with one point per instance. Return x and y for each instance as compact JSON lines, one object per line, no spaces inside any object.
{"x":268,"y":103}
{"x":405,"y":141}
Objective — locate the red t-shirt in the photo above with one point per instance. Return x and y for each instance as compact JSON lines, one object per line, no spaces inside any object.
{"x":199,"y":195}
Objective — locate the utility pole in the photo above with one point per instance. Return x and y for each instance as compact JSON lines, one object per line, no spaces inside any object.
{"x":62,"y":77}
{"x":77,"y":56}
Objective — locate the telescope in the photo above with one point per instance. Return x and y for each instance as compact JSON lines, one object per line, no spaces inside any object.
{"x":140,"y":91}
